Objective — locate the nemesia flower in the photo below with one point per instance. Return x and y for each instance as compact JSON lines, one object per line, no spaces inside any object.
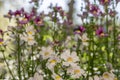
{"x":75,"y":71}
{"x":17,"y":13}
{"x":112,"y":13}
{"x":29,"y":39}
{"x":69,"y":57}
{"x":100,"y":32}
{"x":103,"y":2}
{"x":38,"y":21}
{"x":83,"y":38}
{"x":1,"y":41}
{"x":25,"y":19}
{"x":94,"y":9}
{"x":56,"y":77}
{"x":37,"y":76}
{"x":46,"y":52}
{"x":9,"y":14}
{"x":30,"y":30}
{"x":107,"y":76}
{"x":79,"y":30}
{"x":52,"y":61}
{"x":57,"y":8}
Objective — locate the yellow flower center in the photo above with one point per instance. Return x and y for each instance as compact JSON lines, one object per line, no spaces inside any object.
{"x":1,"y":43}
{"x":106,"y":76}
{"x":24,"y":19}
{"x":69,"y":59}
{"x":40,"y":22}
{"x":76,"y":71}
{"x":94,"y":12}
{"x":57,"y":77}
{"x":102,"y":34}
{"x":115,"y":79}
{"x":78,"y":31}
{"x":29,"y":32}
{"x":46,"y":53}
{"x":30,"y":39}
{"x":53,"y":61}
{"x":106,"y":1}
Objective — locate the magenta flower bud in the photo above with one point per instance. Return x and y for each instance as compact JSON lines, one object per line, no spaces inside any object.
{"x":1,"y":31}
{"x":58,"y":8}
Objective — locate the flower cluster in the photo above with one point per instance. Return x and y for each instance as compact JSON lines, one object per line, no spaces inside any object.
{"x":48,"y":48}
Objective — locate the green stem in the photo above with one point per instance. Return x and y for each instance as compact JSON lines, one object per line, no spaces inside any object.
{"x":32,"y":63}
{"x":8,"y":66}
{"x":19,"y":59}
{"x":107,"y":44}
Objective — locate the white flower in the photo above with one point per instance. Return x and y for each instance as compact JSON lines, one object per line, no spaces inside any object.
{"x":46,"y":52}
{"x":30,"y":30}
{"x":37,"y":76}
{"x":56,"y":77}
{"x":83,"y":38}
{"x":52,"y":61}
{"x":108,"y":76}
{"x":29,"y":39}
{"x":69,"y":58}
{"x":75,"y":71}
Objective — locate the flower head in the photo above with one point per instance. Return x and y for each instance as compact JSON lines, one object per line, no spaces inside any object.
{"x":38,"y":21}
{"x":103,"y":2}
{"x":56,"y":77}
{"x":75,"y":71}
{"x":46,"y":52}
{"x":107,"y":76}
{"x":79,"y":30}
{"x":100,"y":32}
{"x":1,"y":41}
{"x":69,"y":58}
{"x":94,"y":9}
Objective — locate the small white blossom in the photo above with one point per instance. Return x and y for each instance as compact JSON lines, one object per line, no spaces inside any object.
{"x":30,"y":30}
{"x":46,"y":52}
{"x":56,"y":77}
{"x":69,"y":58}
{"x":37,"y":76}
{"x":29,"y":39}
{"x":108,"y":76}
{"x":75,"y":71}
{"x":52,"y":61}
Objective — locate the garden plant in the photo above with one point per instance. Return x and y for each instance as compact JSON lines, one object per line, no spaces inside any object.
{"x":51,"y":47}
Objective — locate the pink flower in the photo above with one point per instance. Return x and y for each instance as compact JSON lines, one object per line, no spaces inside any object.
{"x":100,"y":32}
{"x":94,"y":10}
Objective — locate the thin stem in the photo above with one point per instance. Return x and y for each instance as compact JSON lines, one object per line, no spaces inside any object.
{"x":19,"y":59}
{"x":8,"y":66}
{"x":32,"y":63}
